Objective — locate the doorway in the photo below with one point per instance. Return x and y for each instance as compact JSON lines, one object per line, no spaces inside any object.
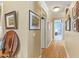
{"x":58,"y":30}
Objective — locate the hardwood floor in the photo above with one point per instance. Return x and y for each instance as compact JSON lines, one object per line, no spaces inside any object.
{"x":54,"y":51}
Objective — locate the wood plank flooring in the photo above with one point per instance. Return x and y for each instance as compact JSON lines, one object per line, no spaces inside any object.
{"x":54,"y":51}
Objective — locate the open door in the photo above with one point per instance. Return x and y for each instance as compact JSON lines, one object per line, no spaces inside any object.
{"x":58,"y":31}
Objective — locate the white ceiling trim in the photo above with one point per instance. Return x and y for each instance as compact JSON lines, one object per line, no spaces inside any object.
{"x":44,"y":6}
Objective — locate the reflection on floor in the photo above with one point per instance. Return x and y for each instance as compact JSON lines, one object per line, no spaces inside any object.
{"x":54,"y":51}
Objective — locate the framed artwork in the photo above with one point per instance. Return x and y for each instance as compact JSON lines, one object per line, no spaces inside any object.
{"x":77,"y":8}
{"x":68,"y":24}
{"x":74,"y":12}
{"x":10,"y":20}
{"x":34,"y":21}
{"x":74,"y":25}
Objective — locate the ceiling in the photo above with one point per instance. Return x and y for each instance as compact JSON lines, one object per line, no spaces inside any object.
{"x":61,"y":4}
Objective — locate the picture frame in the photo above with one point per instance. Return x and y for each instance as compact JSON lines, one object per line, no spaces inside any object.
{"x":74,"y":12}
{"x":10,"y":20}
{"x":77,"y":8}
{"x":75,"y":22}
{"x":34,"y":21}
{"x":68,"y":24}
{"x":74,"y":25}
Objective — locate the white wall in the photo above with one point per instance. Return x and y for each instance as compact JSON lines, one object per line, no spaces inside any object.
{"x":72,"y":42}
{"x":50,"y":29}
{"x":29,"y":40}
{"x":71,"y":39}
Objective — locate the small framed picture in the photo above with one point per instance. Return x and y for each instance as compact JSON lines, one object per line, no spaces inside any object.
{"x":74,"y":12}
{"x":34,"y":21}
{"x":68,"y":24}
{"x":10,"y":20}
{"x":74,"y":25}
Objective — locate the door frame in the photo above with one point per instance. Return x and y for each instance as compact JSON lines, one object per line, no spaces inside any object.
{"x":62,"y":29}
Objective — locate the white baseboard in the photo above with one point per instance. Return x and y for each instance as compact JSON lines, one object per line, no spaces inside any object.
{"x":66,"y":52}
{"x":49,"y":43}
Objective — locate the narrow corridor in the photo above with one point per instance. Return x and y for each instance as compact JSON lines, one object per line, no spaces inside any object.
{"x":39,"y":29}
{"x":54,"y":51}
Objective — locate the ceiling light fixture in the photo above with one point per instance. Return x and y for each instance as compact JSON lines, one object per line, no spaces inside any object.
{"x":56,"y":9}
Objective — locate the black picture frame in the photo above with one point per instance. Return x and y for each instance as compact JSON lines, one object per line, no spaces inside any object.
{"x":10,"y":20}
{"x":74,"y":25}
{"x":34,"y":21}
{"x":68,"y":24}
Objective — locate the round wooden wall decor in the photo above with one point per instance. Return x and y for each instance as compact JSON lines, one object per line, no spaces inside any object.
{"x":10,"y":44}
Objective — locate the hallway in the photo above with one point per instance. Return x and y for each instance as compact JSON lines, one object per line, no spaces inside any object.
{"x":39,"y":29}
{"x":55,"y":32}
{"x":54,"y":51}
